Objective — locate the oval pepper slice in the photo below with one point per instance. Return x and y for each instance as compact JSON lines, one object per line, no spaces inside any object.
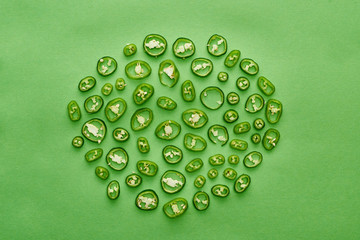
{"x":155,"y":45}
{"x":249,"y":66}
{"x":194,"y":165}
{"x":120,"y":84}
{"x":175,"y":207}
{"x":115,"y":109}
{"x":168,"y":130}
{"x":271,"y":138}
{"x":220,"y":190}
{"x":200,"y":181}
{"x":113,"y":190}
{"x":172,"y":181}
{"x":233,"y":98}
{"x":142,"y":93}
{"x":212,"y":173}
{"x":106,"y":66}
{"x":212,"y":97}
{"x":273,"y":111}
{"x":201,"y":201}
{"x":230,"y":173}
{"x":266,"y":86}
{"x":93,"y":154}
{"x":194,"y":142}
{"x":232,"y":58}
{"x":133,"y":180}
{"x":121,"y":134}
{"x":254,"y":103}
{"x":259,"y":124}
{"x":217,"y":45}
{"x":94,"y":130}
{"x":168,"y":73}
{"x":218,"y":133}
{"x":117,"y":158}
{"x":231,"y":116}
{"x":201,"y":67}
{"x":102,"y":172}
{"x":242,"y":83}
{"x":93,"y":104}
{"x":74,"y":111}
{"x":223,"y":76}
{"x":141,"y":119}
{"x":188,"y":91}
{"x":253,"y":159}
{"x":233,"y":159}
{"x":147,"y":168}
{"x":107,"y":89}
{"x":256,"y":138}
{"x":87,"y":83}
{"x":217,"y":160}
{"x":239,"y":144}
{"x":143,"y":145}
{"x":137,"y":69}
{"x":183,"y":48}
{"x":172,"y":154}
{"x":194,"y":118}
{"x":242,"y":183}
{"x":242,"y":127}
{"x":78,"y":142}
{"x":147,"y":200}
{"x":166,"y":103}
{"x":130,"y":49}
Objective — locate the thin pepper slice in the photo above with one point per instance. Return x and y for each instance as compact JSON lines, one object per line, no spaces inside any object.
{"x":130,"y":49}
{"x":231,"y":116}
{"x":117,"y":158}
{"x":87,"y":83}
{"x":256,"y":138}
{"x":175,"y":207}
{"x":271,"y":138}
{"x":249,"y":66}
{"x":78,"y":142}
{"x":183,"y":48}
{"x":74,"y":111}
{"x":168,"y":130}
{"x":199,"y":181}
{"x":266,"y":86}
{"x":94,"y":130}
{"x":172,"y":154}
{"x":147,"y":200}
{"x":239,"y":144}
{"x":168,"y":73}
{"x":233,"y":98}
{"x":106,"y":66}
{"x":218,"y":133}
{"x":93,"y":104}
{"x":107,"y":89}
{"x":217,"y":160}
{"x":172,"y":181}
{"x":242,"y":83}
{"x":212,"y":173}
{"x":254,"y":103}
{"x":194,"y":118}
{"x":133,"y":180}
{"x":230,"y":173}
{"x":142,"y":93}
{"x":212,"y":97}
{"x":137,"y":69}
{"x":232,"y":58}
{"x":147,"y":167}
{"x":113,"y":190}
{"x":93,"y":154}
{"x":166,"y":103}
{"x":220,"y":190}
{"x":223,"y":76}
{"x":242,"y":127}
{"x":121,"y":134}
{"x":273,"y":111}
{"x":141,"y":119}
{"x":233,"y":159}
{"x":194,"y":142}
{"x":194,"y":165}
{"x":253,"y":159}
{"x":242,"y":183}
{"x":115,"y":109}
{"x":217,"y":45}
{"x":120,"y":84}
{"x":201,"y":67}
{"x":102,"y":172}
{"x":143,"y":145}
{"x":188,"y":91}
{"x":259,"y":123}
{"x":155,"y":45}
{"x":201,"y":201}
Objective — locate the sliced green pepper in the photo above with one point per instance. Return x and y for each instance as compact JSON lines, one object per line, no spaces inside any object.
{"x":212,"y":173}
{"x":87,"y":83}
{"x":273,"y":111}
{"x":94,"y":130}
{"x":230,"y":173}
{"x":249,"y":66}
{"x":217,"y":160}
{"x":93,"y":104}
{"x":74,"y":111}
{"x":130,"y":49}
{"x":253,"y":159}
{"x":147,"y":167}
{"x":188,"y":91}
{"x":242,"y":183}
{"x":147,"y":200}
{"x":233,"y":98}
{"x":259,"y":124}
{"x":218,"y":133}
{"x":175,"y":207}
{"x":172,"y":181}
{"x":212,"y":97}
{"x":232,"y":58}
{"x":141,"y":119}
{"x":102,"y":172}
{"x":233,"y":159}
{"x":115,"y":109}
{"x":223,"y":76}
{"x":107,"y":89}
{"x":168,"y":73}
{"x":166,"y":103}
{"x":121,"y":134}
{"x":142,"y":93}
{"x":137,"y":69}
{"x":183,"y":48}
{"x":117,"y":158}
{"x":143,"y":145}
{"x":194,"y":118}
{"x":271,"y":138}
{"x":242,"y":83}
{"x":113,"y":190}
{"x":201,"y":67}
{"x":133,"y":180}
{"x":194,"y":142}
{"x":242,"y":127}
{"x":168,"y":130}
{"x":231,"y":116}
{"x":194,"y":165}
{"x":172,"y":154}
{"x":239,"y":144}
{"x":93,"y":154}
{"x":200,"y":181}
{"x":266,"y":86}
{"x":120,"y":84}
{"x":201,"y":200}
{"x":220,"y":190}
{"x":106,"y":66}
{"x":254,"y":103}
{"x":78,"y":142}
{"x":217,"y":45}
{"x":155,"y":45}
{"x":256,"y":138}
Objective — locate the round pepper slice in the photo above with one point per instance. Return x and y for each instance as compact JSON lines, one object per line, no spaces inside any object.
{"x":200,"y":181}
{"x":117,"y":158}
{"x":172,"y":181}
{"x":194,"y":118}
{"x":223,"y":76}
{"x":137,"y":69}
{"x":273,"y":111}
{"x":142,"y":93}
{"x":232,"y":58}
{"x":233,"y":98}
{"x":194,"y":165}
{"x":242,"y":127}
{"x":120,"y":84}
{"x":239,"y":144}
{"x":115,"y":109}
{"x":121,"y":134}
{"x":249,"y":66}
{"x":141,"y":119}
{"x":217,"y":45}
{"x":201,"y":201}
{"x":168,"y":130}
{"x":166,"y":103}
{"x":242,"y":183}
{"x":106,"y":66}
{"x":220,"y":190}
{"x":259,"y":124}
{"x":93,"y":104}
{"x":256,"y":138}
{"x":231,"y":116}
{"x":218,"y":133}
{"x":78,"y":142}
{"x":212,"y":173}
{"x":172,"y":154}
{"x":253,"y":159}
{"x":74,"y":111}
{"x":217,"y":160}
{"x":130,"y":49}
{"x":201,"y":67}
{"x":155,"y":45}
{"x":143,"y":145}
{"x":183,"y":48}
{"x":133,"y":180}
{"x":94,"y":130}
{"x":233,"y":159}
{"x":87,"y":83}
{"x":254,"y":103}
{"x":168,"y":73}
{"x":113,"y":190}
{"x":230,"y":173}
{"x":147,"y":200}
{"x":188,"y":91}
{"x":212,"y":97}
{"x":271,"y":138}
{"x":194,"y":142}
{"x":102,"y":172}
{"x":266,"y":86}
{"x":107,"y":89}
{"x":93,"y":154}
{"x":175,"y":207}
{"x":242,"y":83}
{"x":147,"y":167}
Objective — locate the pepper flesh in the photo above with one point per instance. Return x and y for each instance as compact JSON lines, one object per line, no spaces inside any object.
{"x":233,"y":159}
{"x":166,"y":103}
{"x":102,"y":172}
{"x":212,"y":173}
{"x":233,"y":98}
{"x":199,"y":181}
{"x":133,"y":180}
{"x":93,"y":154}
{"x":230,"y":173}
{"x":259,"y":124}
{"x":121,"y":134}
{"x":175,"y":207}
{"x":78,"y":142}
{"x":120,"y":84}
{"x":217,"y":160}
{"x":107,"y":89}
{"x":256,"y":138}
{"x":94,"y":130}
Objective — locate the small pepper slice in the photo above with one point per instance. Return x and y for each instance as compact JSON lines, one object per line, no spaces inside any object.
{"x":117,"y":158}
{"x":175,"y":207}
{"x":137,"y":69}
{"x":87,"y":83}
{"x":106,"y":66}
{"x":93,"y":154}
{"x":120,"y":84}
{"x":121,"y":134}
{"x":200,"y":181}
{"x":271,"y":138}
{"x":230,"y":173}
{"x":107,"y":89}
{"x":232,"y":58}
{"x":242,"y":183}
{"x":78,"y":142}
{"x":155,"y":45}
{"x":239,"y":144}
{"x":217,"y":45}
{"x":253,"y":159}
{"x":242,"y":127}
{"x":141,"y":119}
{"x":259,"y":124}
{"x":143,"y":145}
{"x":133,"y":180}
{"x":166,"y":103}
{"x":220,"y":190}
{"x":194,"y":118}
{"x":223,"y":76}
{"x":233,"y":98}
{"x":172,"y":154}
{"x":233,"y":159}
{"x":147,"y":167}
{"x":231,"y":116}
{"x":183,"y":48}
{"x":212,"y":97}
{"x":194,"y":142}
{"x":130,"y":49}
{"x":242,"y":83}
{"x":94,"y":130}
{"x":212,"y":173}
{"x":93,"y":104}
{"x":188,"y":91}
{"x":142,"y":93}
{"x":201,"y":67}
{"x":273,"y":111}
{"x":74,"y":111}
{"x":249,"y":66}
{"x":113,"y":190}
{"x":256,"y":138}
{"x":254,"y":103}
{"x":168,"y":130}
{"x":102,"y":172}
{"x":266,"y":86}
{"x":218,"y":133}
{"x":115,"y":109}
{"x":194,"y":165}
{"x":217,"y":160}
{"x":201,"y":201}
{"x":168,"y":73}
{"x":147,"y":200}
{"x":172,"y":181}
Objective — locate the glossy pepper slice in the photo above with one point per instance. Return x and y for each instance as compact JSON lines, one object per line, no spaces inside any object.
{"x":223,"y":76}
{"x":212,"y":97}
{"x":87,"y":83}
{"x":130,"y":49}
{"x":200,"y":181}
{"x":120,"y":84}
{"x":133,"y":180}
{"x":143,"y":145}
{"x":242,"y":83}
{"x":74,"y":111}
{"x":172,"y":181}
{"x":166,"y":103}
{"x":93,"y":154}
{"x":141,"y":119}
{"x":259,"y":124}
{"x":253,"y":159}
{"x":233,"y":98}
{"x":102,"y":172}
{"x":121,"y":134}
{"x":239,"y":144}
{"x":194,"y":165}
{"x":201,"y":201}
{"x":168,"y":73}
{"x":147,"y":167}
{"x":142,"y":93}
{"x":217,"y":160}
{"x":94,"y":130}
{"x":254,"y":103}
{"x":137,"y":69}
{"x":230,"y":173}
{"x":212,"y":173}
{"x":201,"y":67}
{"x":188,"y":91}
{"x":242,"y":183}
{"x":113,"y":190}
{"x":256,"y":138}
{"x":233,"y":159}
{"x":93,"y":104}
{"x":231,"y":116}
{"x":266,"y":86}
{"x":194,"y":118}
{"x":107,"y":89}
{"x":78,"y":142}
{"x":273,"y":111}
{"x":147,"y":200}
{"x":175,"y":207}
{"x":242,"y":127}
{"x":155,"y":45}
{"x":249,"y":66}
{"x":232,"y":58}
{"x":106,"y":66}
{"x":117,"y":158}
{"x":183,"y":48}
{"x":271,"y":138}
{"x":115,"y":109}
{"x":168,"y":130}
{"x":218,"y":133}
{"x":194,"y":142}
{"x":220,"y":190}
{"x":172,"y":154}
{"x":217,"y":45}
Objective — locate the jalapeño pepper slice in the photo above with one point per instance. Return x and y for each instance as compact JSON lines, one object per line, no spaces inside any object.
{"x":271,"y":138}
{"x":242,"y":127}
{"x":168,"y":73}
{"x":220,"y":190}
{"x":266,"y":86}
{"x":137,"y":69}
{"x":242,"y":83}
{"x":183,"y":48}
{"x":168,"y":130}
{"x":253,"y":159}
{"x":166,"y":103}
{"x":194,"y":142}
{"x":212,"y":97}
{"x":78,"y":142}
{"x":201,"y":200}
{"x":230,"y":173}
{"x":199,"y":181}
{"x":107,"y":89}
{"x":175,"y":207}
{"x":141,"y":119}
{"x":143,"y":145}
{"x":94,"y":130}
{"x":115,"y":109}
{"x":154,"y":45}
{"x":147,"y":168}
{"x":232,"y":58}
{"x":172,"y":154}
{"x":194,"y":165}
{"x":172,"y":181}
{"x":74,"y":111}
{"x":120,"y":84}
{"x":242,"y":183}
{"x":273,"y":111}
{"x":133,"y":180}
{"x":102,"y":172}
{"x":106,"y":66}
{"x":201,"y":67}
{"x":231,"y":116}
{"x":142,"y":93}
{"x":259,"y":124}
{"x":217,"y":160}
{"x":117,"y":158}
{"x":254,"y":103}
{"x":130,"y":49}
{"x":188,"y":91}
{"x":233,"y":98}
{"x":113,"y":190}
{"x":93,"y":154}
{"x":218,"y":133}
{"x":121,"y":134}
{"x":147,"y":200}
{"x":87,"y":83}
{"x":233,"y":159}
{"x":212,"y":173}
{"x":239,"y":144}
{"x":223,"y":76}
{"x":217,"y":45}
{"x":256,"y":138}
{"x":93,"y":104}
{"x":249,"y":66}
{"x":194,"y":118}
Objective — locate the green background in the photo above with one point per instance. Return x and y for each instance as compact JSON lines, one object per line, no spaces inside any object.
{"x":307,"y":188}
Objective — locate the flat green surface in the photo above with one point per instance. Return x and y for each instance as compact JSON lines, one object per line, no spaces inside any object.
{"x":307,"y":188}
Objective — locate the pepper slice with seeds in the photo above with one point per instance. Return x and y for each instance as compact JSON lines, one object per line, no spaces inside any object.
{"x":141,"y":119}
{"x":172,"y":154}
{"x":168,"y":130}
{"x":271,"y":138}
{"x":106,"y":66}
{"x":117,"y":158}
{"x":201,"y":67}
{"x":142,"y":93}
{"x":188,"y":91}
{"x":87,"y":83}
{"x":220,"y":190}
{"x":232,"y":58}
{"x":115,"y":109}
{"x":166,"y":103}
{"x":183,"y":48}
{"x":113,"y":190}
{"x":194,"y":118}
{"x":194,"y":142}
{"x":147,"y":200}
{"x":266,"y":86}
{"x":168,"y":73}
{"x":172,"y":181}
{"x":137,"y":69}
{"x":212,"y":97}
{"x":155,"y":45}
{"x":194,"y":165}
{"x":143,"y":145}
{"x":74,"y":111}
{"x":147,"y":167}
{"x":273,"y":111}
{"x":201,"y":201}
{"x":242,"y":183}
{"x":217,"y":45}
{"x":218,"y":133}
{"x":254,"y":103}
{"x":249,"y":66}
